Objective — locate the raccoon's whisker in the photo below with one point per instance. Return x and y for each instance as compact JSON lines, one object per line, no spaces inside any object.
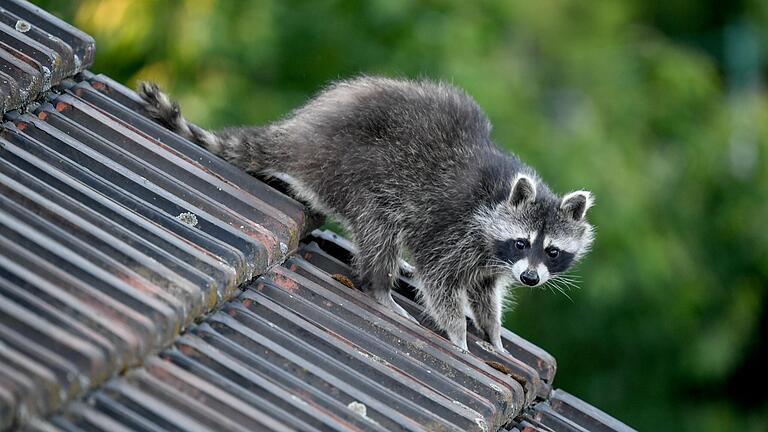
{"x":566,"y":280}
{"x":549,"y":286}
{"x":567,"y":283}
{"x":569,"y":278}
{"x":571,"y":286}
{"x":559,"y":288}
{"x":565,"y":294}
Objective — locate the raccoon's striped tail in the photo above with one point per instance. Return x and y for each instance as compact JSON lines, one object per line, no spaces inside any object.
{"x":166,"y":111}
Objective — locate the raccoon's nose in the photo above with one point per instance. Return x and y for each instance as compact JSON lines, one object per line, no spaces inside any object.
{"x":529,"y":277}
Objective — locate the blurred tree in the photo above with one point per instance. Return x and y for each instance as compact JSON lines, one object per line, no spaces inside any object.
{"x":634,"y":100}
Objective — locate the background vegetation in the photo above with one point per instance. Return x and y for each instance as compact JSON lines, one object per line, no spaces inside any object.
{"x":658,"y":107}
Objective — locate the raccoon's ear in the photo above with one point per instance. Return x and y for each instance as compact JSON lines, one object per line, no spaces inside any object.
{"x":576,"y":204}
{"x":523,"y":190}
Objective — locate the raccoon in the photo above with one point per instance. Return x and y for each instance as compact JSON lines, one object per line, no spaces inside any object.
{"x":410,"y":165}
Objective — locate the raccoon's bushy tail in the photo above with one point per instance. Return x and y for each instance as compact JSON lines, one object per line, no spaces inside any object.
{"x":166,"y":111}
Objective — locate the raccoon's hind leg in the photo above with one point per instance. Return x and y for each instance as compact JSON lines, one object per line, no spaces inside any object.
{"x":485,"y":300}
{"x":377,"y":263}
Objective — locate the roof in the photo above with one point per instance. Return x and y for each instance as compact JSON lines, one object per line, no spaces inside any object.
{"x":146,"y":284}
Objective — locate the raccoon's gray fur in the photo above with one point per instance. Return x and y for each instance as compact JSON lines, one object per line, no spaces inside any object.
{"x":411,"y":165}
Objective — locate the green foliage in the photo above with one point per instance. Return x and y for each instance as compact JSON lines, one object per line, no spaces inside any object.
{"x":607,"y":96}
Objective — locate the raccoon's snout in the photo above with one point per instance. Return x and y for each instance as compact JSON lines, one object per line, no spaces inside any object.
{"x":529,"y":277}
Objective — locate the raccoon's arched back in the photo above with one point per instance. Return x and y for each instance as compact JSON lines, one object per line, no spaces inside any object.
{"x":383,"y":108}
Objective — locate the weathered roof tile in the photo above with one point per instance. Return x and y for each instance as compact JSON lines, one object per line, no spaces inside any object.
{"x":112,"y":242}
{"x":37,"y":50}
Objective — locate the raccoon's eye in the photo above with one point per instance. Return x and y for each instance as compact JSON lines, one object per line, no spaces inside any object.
{"x":553,"y":252}
{"x":521,"y":244}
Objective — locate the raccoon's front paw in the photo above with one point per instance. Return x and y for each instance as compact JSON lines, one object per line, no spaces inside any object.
{"x":402,"y":312}
{"x":386,"y":300}
{"x":493,"y":333}
{"x":499,"y":347}
{"x":459,"y":339}
{"x":389,"y":302}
